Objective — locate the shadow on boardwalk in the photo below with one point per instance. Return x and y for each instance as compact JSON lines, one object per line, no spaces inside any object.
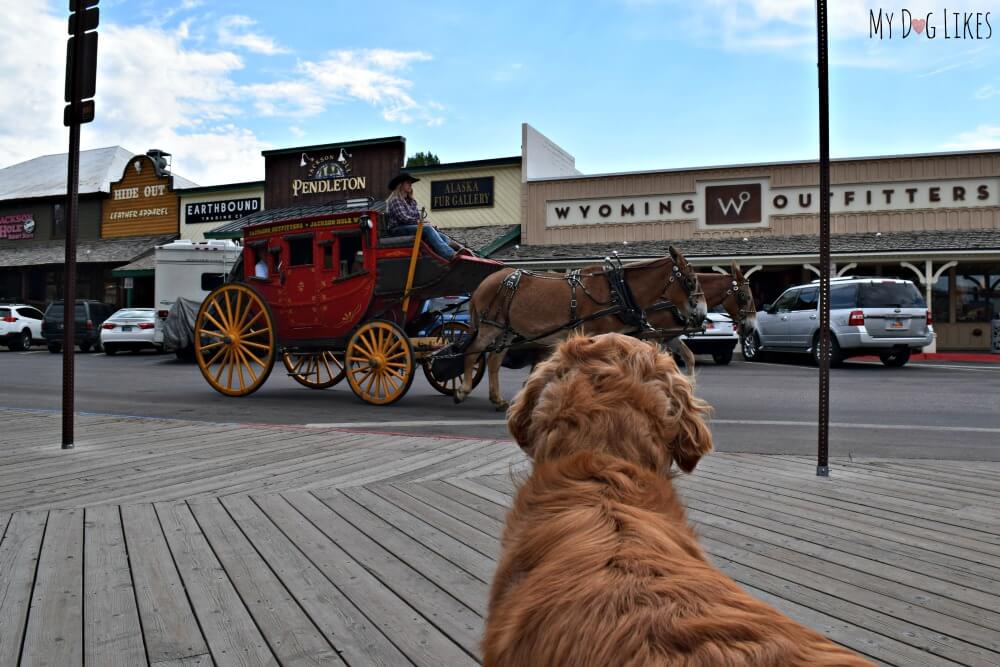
{"x":168,"y":542}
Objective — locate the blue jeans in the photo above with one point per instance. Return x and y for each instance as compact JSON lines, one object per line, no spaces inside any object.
{"x":435,"y":239}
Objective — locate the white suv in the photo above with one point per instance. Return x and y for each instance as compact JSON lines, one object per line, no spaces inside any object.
{"x":20,"y":325}
{"x":884,"y":316}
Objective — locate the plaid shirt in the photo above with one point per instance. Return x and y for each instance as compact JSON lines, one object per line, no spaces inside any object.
{"x":402,"y":211}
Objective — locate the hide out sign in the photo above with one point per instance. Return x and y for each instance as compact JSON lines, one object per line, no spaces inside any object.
{"x":462,"y":193}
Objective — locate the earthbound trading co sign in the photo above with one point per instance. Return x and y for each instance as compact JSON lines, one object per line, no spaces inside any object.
{"x":752,"y":202}
{"x":220,"y":211}
{"x":462,"y":193}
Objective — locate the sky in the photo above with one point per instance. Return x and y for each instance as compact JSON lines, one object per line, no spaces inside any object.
{"x":622,"y":85}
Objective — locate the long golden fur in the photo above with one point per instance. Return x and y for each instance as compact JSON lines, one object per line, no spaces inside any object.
{"x":599,"y":564}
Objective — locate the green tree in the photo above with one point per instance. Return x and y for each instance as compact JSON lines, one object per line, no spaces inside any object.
{"x":423,"y":159}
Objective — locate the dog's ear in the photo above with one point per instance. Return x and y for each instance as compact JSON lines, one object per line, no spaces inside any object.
{"x":685,"y":432}
{"x":519,"y":413}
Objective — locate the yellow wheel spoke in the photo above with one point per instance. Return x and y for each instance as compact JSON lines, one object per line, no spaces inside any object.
{"x":213,"y":334}
{"x":244,"y":352}
{"x":217,"y":354}
{"x":231,"y":363}
{"x":401,"y":353}
{"x":298,"y":364}
{"x":239,"y":369}
{"x":362,"y":344}
{"x":226,"y":297}
{"x":327,"y":366}
{"x":209,"y":346}
{"x":208,"y":316}
{"x":397,"y":344}
{"x":259,"y":346}
{"x":242,"y":312}
{"x":222,"y":365}
{"x":396,"y":364}
{"x":246,"y":327}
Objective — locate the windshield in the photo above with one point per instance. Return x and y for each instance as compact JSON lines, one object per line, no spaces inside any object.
{"x":891,"y":295}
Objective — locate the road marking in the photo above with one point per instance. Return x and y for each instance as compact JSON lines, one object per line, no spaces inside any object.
{"x":727,"y":422}
{"x":888,"y":427}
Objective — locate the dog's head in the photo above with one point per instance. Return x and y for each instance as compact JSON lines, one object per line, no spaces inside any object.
{"x":614,"y":394}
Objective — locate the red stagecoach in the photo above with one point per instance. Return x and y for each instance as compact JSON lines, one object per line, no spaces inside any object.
{"x":340,"y":299}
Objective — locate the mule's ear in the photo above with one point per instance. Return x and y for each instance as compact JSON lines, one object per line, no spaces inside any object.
{"x":673,"y":252}
{"x":735,"y":267}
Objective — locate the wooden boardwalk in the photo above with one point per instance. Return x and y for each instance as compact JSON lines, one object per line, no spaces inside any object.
{"x":179,"y":543}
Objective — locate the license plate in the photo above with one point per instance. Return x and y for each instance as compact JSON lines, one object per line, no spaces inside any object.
{"x":126,"y":328}
{"x":896,"y":324}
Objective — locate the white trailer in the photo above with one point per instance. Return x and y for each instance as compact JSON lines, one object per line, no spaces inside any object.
{"x":186,"y":271}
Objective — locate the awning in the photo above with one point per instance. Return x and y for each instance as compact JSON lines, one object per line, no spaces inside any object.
{"x":144,"y":266}
{"x":91,"y":251}
{"x":767,"y":249}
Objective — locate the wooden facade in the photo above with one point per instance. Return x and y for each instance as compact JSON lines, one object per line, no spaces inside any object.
{"x":944,"y":168}
{"x":506,"y":208}
{"x":332,"y":172}
{"x":142,"y":203}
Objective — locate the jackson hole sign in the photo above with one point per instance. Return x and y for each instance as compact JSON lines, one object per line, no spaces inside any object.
{"x":752,"y":202}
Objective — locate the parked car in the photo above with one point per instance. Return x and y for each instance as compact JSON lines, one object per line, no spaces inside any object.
{"x":884,"y":316}
{"x":129,"y":329}
{"x":718,"y":339}
{"x":443,"y":310}
{"x":89,"y":315}
{"x":20,"y":325}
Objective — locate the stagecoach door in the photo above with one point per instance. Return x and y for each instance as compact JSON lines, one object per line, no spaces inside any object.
{"x":297,"y":303}
{"x":346,"y":284}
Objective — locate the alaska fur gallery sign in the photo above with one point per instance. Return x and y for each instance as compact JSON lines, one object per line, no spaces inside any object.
{"x":462,"y":193}
{"x":752,"y":202}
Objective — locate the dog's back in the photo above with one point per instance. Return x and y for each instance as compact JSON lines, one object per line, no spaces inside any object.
{"x":600,"y":567}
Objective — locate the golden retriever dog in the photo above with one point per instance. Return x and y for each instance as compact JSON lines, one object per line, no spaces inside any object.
{"x":599,"y":565}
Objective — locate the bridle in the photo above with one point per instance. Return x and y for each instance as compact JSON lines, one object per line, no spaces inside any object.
{"x":692,"y":289}
{"x":740,"y":287}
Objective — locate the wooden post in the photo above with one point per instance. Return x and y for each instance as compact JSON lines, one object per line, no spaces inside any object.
{"x":413,"y":263}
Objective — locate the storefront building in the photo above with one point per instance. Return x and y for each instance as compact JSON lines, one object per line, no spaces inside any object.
{"x":203,"y":209}
{"x":933,"y":219}
{"x":315,"y":180}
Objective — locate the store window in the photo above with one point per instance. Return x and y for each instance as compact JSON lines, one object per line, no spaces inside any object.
{"x":940,"y":298}
{"x":977,"y":293}
{"x":58,"y":222}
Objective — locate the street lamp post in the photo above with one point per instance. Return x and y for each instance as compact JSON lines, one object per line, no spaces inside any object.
{"x":823,"y":454}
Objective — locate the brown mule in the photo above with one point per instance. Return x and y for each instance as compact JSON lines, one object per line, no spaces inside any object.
{"x":539,"y":307}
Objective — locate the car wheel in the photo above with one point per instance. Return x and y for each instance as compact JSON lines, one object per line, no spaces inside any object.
{"x":25,"y":342}
{"x":836,"y":355}
{"x":85,"y":347}
{"x":751,"y":348}
{"x":895,"y":358}
{"x":722,"y":358}
{"x":55,"y":349}
{"x":110,"y":350}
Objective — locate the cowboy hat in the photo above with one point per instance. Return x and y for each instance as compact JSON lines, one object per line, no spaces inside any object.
{"x":401,"y":178}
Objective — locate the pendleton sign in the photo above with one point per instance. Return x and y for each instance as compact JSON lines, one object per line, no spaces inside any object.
{"x":752,"y":202}
{"x":321,"y":174}
{"x":462,"y":193}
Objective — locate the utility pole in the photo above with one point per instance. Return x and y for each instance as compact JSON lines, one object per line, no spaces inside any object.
{"x":81,"y":77}
{"x":823,"y":455}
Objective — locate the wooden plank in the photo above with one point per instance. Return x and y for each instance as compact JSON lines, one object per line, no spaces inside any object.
{"x":112,"y":634}
{"x":19,"y":552}
{"x":473,"y":537}
{"x":231,"y":634}
{"x":203,"y":660}
{"x":857,"y":638}
{"x":169,"y":628}
{"x":882,"y":615}
{"x":410,"y":571}
{"x":452,"y":508}
{"x":898,"y":600}
{"x":854,"y":528}
{"x":421,"y":642}
{"x":474,"y":487}
{"x":490,"y":509}
{"x":822,"y":543}
{"x":465,"y":465}
{"x":291,"y":635}
{"x":355,"y":637}
{"x":438,"y":568}
{"x":54,"y":635}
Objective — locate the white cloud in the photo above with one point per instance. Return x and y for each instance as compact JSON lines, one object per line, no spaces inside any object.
{"x":162,"y":87}
{"x":234,"y":31}
{"x":983,"y":137}
{"x":986,"y":91}
{"x":366,"y":75}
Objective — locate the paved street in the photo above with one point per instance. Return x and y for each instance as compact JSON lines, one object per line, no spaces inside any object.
{"x":925,"y":410}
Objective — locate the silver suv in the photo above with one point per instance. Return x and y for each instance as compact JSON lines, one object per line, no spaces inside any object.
{"x":883,"y":316}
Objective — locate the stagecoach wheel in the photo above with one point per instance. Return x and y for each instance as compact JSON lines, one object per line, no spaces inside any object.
{"x":234,"y":340}
{"x":379,"y":362}
{"x":316,"y":370}
{"x":452,"y":331}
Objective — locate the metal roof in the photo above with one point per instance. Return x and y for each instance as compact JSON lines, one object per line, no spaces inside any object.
{"x":110,"y":251}
{"x":46,"y":176}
